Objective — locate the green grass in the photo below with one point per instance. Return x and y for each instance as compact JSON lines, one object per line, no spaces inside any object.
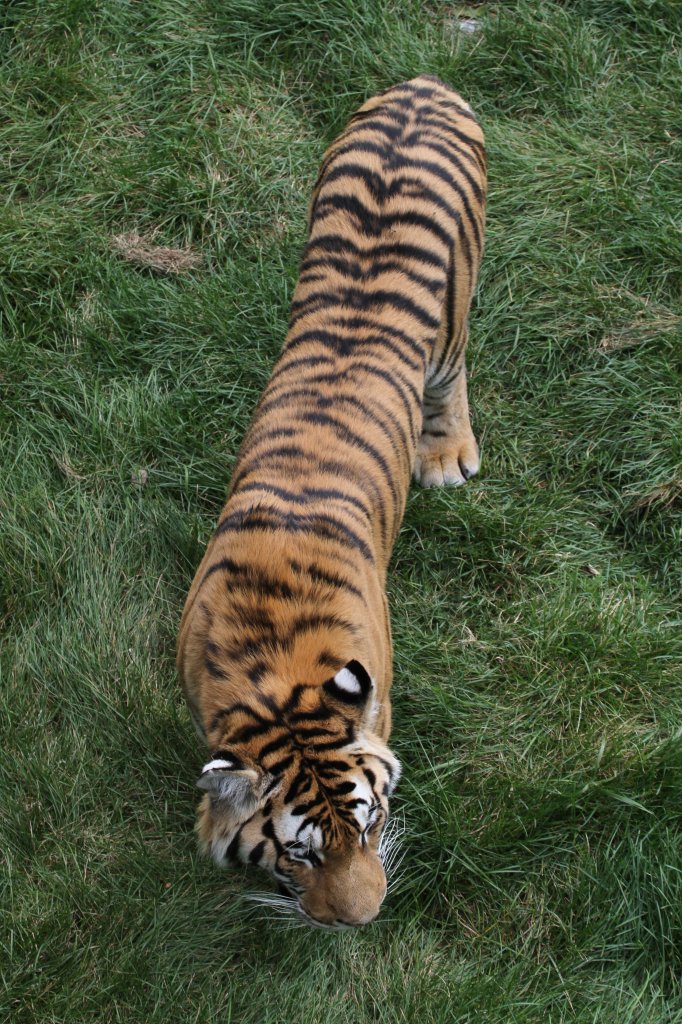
{"x":538,"y":639}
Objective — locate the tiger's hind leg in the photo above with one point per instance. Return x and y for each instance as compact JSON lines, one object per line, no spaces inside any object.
{"x":447,"y":452}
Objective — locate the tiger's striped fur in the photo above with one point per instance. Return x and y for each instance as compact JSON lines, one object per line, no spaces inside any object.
{"x":285,"y":648}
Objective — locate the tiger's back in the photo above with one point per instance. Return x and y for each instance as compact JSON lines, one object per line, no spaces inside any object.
{"x":284,"y":646}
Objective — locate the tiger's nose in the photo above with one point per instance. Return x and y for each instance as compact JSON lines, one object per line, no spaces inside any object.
{"x":360,"y":920}
{"x":334,"y":917}
{"x":344,"y":922}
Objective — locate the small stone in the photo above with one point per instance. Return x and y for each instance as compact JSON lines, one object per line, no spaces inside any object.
{"x":139,"y":477}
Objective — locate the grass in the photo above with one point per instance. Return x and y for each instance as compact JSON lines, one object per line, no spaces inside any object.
{"x":157,"y":158}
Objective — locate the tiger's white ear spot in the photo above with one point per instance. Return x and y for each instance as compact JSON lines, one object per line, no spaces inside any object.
{"x":346,"y":681}
{"x":217,"y":764}
{"x":352,"y":684}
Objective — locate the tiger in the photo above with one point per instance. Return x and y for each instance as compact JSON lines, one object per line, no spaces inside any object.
{"x":284,"y":649}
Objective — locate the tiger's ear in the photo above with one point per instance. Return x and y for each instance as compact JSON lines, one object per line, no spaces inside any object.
{"x":352,"y":684}
{"x":227,"y":779}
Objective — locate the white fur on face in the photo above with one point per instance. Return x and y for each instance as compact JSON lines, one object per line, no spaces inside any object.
{"x":311,"y":834}
{"x":288,"y":826}
{"x":362,"y":791}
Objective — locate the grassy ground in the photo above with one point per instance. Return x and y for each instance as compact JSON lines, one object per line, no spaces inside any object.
{"x":538,"y":645}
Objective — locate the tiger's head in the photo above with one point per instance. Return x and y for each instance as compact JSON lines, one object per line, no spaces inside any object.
{"x":301,"y":789}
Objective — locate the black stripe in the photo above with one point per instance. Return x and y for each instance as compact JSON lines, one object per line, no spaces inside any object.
{"x":396,"y":428}
{"x":284,"y":364}
{"x":333,"y":744}
{"x":329,"y":660}
{"x":348,"y":345}
{"x":445,"y":147}
{"x":345,"y":434}
{"x":282,"y":394}
{"x":268,"y":831}
{"x":450,"y":378}
{"x":319,"y":524}
{"x":382,"y":188}
{"x":334,"y":468}
{"x":369,"y":222}
{"x":300,"y":782}
{"x":466,"y":248}
{"x":399,"y":383}
{"x":450,"y":103}
{"x":264,"y":586}
{"x":437,"y":119}
{"x":213,"y":669}
{"x":409,"y":251}
{"x":239,"y":708}
{"x":334,"y":580}
{"x":300,"y":809}
{"x":333,"y":243}
{"x":274,"y":745}
{"x":386,"y":151}
{"x":233,"y":849}
{"x":320,"y":715}
{"x":448,"y":358}
{"x":264,"y":431}
{"x":361,"y":299}
{"x":391,"y":127}
{"x":375,"y":183}
{"x":307,"y":495}
{"x":425,"y":92}
{"x":343,"y":788}
{"x":380,"y":110}
{"x":393,"y":376}
{"x":293,"y":700}
{"x":257,"y":671}
{"x":288,"y":452}
{"x":307,"y":623}
{"x":311,"y":732}
{"x":339,"y":244}
{"x":245,"y":709}
{"x":246,"y":647}
{"x":357,"y":272}
{"x":224,"y":565}
{"x":432,"y":168}
{"x":390,"y":770}
{"x":330,"y":493}
{"x":450,"y":300}
{"x":282,"y":451}
{"x":257,"y":852}
{"x":249,"y":732}
{"x":374,"y":224}
{"x":277,"y":767}
{"x":331,"y":768}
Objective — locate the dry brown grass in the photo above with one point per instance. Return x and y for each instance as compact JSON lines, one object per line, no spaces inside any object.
{"x":162,"y":258}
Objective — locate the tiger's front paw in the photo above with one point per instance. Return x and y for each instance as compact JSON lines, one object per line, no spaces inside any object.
{"x":447,"y":460}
